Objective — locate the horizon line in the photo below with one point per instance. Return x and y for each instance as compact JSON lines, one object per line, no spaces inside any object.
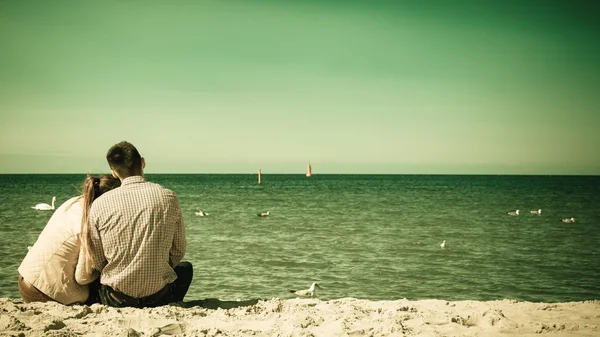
{"x":331,"y":174}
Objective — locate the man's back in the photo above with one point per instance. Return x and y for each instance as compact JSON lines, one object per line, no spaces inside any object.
{"x":138,"y":236}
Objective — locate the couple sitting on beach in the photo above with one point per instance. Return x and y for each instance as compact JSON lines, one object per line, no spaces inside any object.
{"x":121,"y":249}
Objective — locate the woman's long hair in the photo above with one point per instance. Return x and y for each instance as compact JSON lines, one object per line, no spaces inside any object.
{"x":93,"y":187}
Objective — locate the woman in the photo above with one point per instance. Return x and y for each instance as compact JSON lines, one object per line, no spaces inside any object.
{"x":58,"y":266}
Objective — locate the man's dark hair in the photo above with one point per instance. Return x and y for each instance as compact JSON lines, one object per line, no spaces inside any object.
{"x":124,"y":159}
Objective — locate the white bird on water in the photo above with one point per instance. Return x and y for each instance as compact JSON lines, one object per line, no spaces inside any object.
{"x":45,"y":207}
{"x":267,"y":213}
{"x":568,"y":220}
{"x":443,"y":244}
{"x":201,"y":213}
{"x":513,"y":213}
{"x":538,"y":212}
{"x":310,"y":292}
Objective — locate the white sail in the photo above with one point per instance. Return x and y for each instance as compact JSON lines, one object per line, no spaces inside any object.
{"x":308,"y":170}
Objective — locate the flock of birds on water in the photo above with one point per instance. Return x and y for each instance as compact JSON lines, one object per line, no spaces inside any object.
{"x":310,"y":292}
{"x":539,"y":212}
{"x":516,"y":213}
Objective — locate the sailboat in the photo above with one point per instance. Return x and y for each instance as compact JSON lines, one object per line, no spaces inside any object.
{"x":259,"y":181}
{"x":308,"y":170}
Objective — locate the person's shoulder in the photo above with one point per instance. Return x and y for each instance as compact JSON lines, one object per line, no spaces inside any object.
{"x":108,"y":195}
{"x":71,"y":204}
{"x":72,"y":199}
{"x":107,"y":199}
{"x":161,"y":188}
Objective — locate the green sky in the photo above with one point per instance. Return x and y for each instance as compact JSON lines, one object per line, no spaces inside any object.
{"x":481,"y":87}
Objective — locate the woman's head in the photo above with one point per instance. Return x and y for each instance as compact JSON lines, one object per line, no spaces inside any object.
{"x":93,"y":187}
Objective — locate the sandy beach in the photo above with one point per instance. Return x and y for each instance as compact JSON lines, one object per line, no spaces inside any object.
{"x":304,"y":317}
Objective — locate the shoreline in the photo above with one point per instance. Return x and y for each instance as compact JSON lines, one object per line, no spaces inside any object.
{"x":305,"y":317}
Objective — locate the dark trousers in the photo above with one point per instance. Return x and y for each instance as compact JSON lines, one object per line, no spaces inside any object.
{"x":172,"y":292}
{"x":185,"y":273}
{"x":94,"y":296}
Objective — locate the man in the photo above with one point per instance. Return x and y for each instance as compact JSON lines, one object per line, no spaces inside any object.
{"x":138,"y":237}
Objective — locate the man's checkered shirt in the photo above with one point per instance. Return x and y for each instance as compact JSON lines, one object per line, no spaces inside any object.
{"x":138,"y":236}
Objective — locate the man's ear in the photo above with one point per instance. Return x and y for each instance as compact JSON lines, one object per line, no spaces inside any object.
{"x":143,"y":163}
{"x":114,"y":174}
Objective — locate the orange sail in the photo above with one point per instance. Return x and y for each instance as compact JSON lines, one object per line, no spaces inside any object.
{"x":308,"y":170}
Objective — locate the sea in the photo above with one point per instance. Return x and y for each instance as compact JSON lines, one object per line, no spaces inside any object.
{"x":374,"y":237}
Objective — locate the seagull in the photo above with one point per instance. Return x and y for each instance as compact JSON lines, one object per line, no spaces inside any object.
{"x":568,"y":220}
{"x":513,"y":213}
{"x":538,"y":212}
{"x":443,"y":244}
{"x":201,"y":213}
{"x":45,"y":207}
{"x":310,"y":292}
{"x":267,"y":213}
